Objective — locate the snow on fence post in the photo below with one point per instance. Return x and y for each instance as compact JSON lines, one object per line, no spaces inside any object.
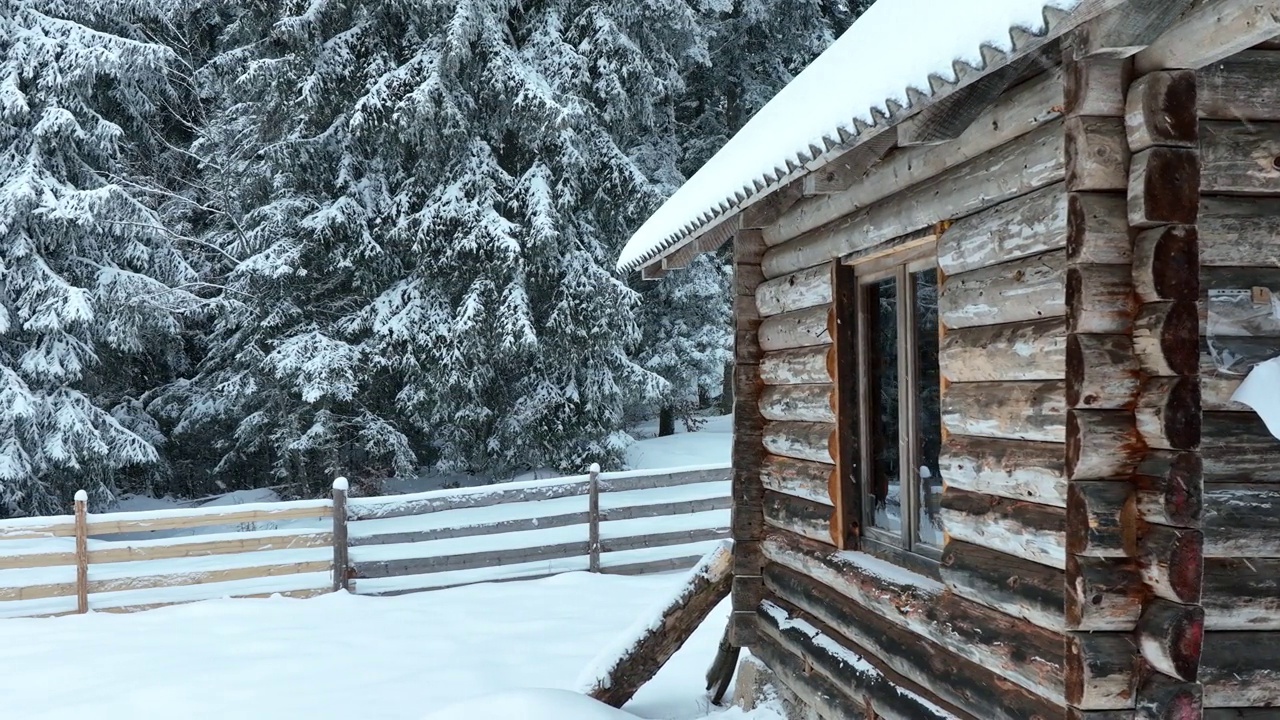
{"x":82,"y":551}
{"x":593,"y":518}
{"x":340,"y":534}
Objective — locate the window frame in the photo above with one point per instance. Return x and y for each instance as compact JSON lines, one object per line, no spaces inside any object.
{"x":901,"y":546}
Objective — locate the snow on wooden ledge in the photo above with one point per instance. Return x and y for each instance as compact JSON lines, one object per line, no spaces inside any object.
{"x":893,"y":46}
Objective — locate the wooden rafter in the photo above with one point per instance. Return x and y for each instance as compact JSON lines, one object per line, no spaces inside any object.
{"x":1211,"y":32}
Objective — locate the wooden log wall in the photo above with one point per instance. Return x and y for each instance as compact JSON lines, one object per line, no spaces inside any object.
{"x":1102,"y":381}
{"x":1238,"y":261}
{"x":748,"y":451}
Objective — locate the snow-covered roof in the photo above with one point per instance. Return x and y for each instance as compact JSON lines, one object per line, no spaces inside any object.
{"x":896,"y":57}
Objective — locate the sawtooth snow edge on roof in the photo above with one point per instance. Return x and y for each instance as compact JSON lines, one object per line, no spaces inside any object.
{"x":896,"y":45}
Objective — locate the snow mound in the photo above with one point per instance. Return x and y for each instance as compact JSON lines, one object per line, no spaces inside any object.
{"x":530,"y":704}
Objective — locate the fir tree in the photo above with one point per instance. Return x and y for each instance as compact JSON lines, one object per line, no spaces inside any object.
{"x":91,"y":282}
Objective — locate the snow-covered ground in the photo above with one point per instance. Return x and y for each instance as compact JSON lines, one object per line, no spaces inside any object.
{"x":345,"y":656}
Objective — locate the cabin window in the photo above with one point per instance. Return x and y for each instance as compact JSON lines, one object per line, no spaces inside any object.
{"x":898,"y":418}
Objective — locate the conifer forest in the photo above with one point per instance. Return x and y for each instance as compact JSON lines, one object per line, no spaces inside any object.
{"x":251,"y":243}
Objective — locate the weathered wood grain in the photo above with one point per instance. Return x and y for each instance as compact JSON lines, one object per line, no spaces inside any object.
{"x":1035,"y":350}
{"x":1208,"y":33}
{"x":1241,"y":521}
{"x":1170,"y":636}
{"x":802,"y":441}
{"x":1171,"y":561}
{"x":796,"y":515}
{"x":1102,"y":444}
{"x":1236,"y":231}
{"x":1105,"y":594}
{"x":1165,"y":185}
{"x":1011,"y":410}
{"x":1032,"y":288}
{"x":1166,"y":338}
{"x":1107,"y":524}
{"x":1029,"y":225}
{"x":1098,"y":229}
{"x":1014,"y":586}
{"x":1017,"y":470}
{"x":1097,"y":153}
{"x":796,"y":329}
{"x":1242,"y":593}
{"x":1099,"y":299}
{"x":1167,"y":264}
{"x":1026,"y":530}
{"x":1160,"y":109}
{"x":801,"y":478}
{"x":803,"y":289}
{"x":802,"y":403}
{"x":798,"y":366}
{"x":1241,"y":669}
{"x":1237,"y":447}
{"x":1169,"y":488}
{"x":1102,"y":372}
{"x":1026,"y":164}
{"x":1241,"y":88}
{"x":1240,"y":158}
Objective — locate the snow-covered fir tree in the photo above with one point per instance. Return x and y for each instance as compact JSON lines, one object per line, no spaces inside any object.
{"x":91,"y":281}
{"x":419,"y":208}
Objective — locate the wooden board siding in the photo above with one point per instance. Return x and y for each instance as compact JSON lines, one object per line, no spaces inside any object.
{"x":1238,"y":249}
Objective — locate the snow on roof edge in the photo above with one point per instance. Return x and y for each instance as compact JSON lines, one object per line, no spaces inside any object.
{"x":801,"y":137}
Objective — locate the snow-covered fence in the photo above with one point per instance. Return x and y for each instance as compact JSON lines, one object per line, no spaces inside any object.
{"x":132,"y":560}
{"x":647,"y":522}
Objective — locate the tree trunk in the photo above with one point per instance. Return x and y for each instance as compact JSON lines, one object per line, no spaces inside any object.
{"x":666,"y":422}
{"x":726,"y":394}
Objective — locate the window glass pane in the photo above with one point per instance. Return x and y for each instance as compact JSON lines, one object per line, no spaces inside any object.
{"x":882,"y":362}
{"x":928,"y":478}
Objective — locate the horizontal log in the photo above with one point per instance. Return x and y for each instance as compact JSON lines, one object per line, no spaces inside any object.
{"x":1171,"y":561}
{"x":1169,"y":488}
{"x":1103,"y":594}
{"x":664,"y":539}
{"x":1011,"y":411}
{"x":1167,"y":264}
{"x":283,"y":540}
{"x":1022,"y":166}
{"x":1097,"y":153}
{"x":800,"y":366}
{"x":1033,"y":224}
{"x":1098,"y":229}
{"x":1164,"y":187}
{"x":1025,"y":530}
{"x":1102,"y":444}
{"x":1168,"y":413}
{"x":802,"y":441}
{"x":1208,"y":33}
{"x":1241,"y":521}
{"x":796,"y":515}
{"x":1099,"y":299}
{"x":1237,"y":447}
{"x":1102,"y":372}
{"x":1241,"y":88}
{"x":1240,"y":158}
{"x":934,"y":669}
{"x":802,"y":403}
{"x":1012,"y":469}
{"x":800,"y":478}
{"x":1160,"y":109}
{"x":1014,"y":352}
{"x":1017,"y":587}
{"x":1099,"y":670}
{"x":1028,"y":289}
{"x":813,"y":689}
{"x":1013,"y":649}
{"x":1241,"y":669}
{"x":1170,"y":636}
{"x":468,"y":561}
{"x":1166,"y":338}
{"x":206,"y":517}
{"x":1024,"y":110}
{"x":468,"y":530}
{"x":799,"y":290}
{"x":1102,"y":519}
{"x":801,"y":328}
{"x":1237,"y":231}
{"x":1241,"y":593}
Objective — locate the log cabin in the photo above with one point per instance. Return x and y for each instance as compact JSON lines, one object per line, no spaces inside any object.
{"x":999,"y":269}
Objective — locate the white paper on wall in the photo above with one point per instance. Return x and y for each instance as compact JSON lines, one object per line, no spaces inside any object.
{"x":1261,"y":391}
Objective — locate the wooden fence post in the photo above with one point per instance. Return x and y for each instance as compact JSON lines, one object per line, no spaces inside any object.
{"x":82,"y":551}
{"x":593,"y":518}
{"x":340,"y":534}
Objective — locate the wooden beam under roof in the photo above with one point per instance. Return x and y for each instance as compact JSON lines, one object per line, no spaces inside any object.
{"x":1213,"y":31}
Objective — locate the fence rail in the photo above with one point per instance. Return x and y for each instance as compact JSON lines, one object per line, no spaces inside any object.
{"x":628,"y":522}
